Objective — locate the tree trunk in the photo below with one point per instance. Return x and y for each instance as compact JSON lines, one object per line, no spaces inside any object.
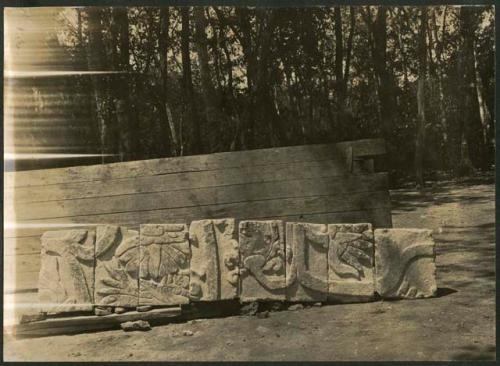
{"x":96,"y":62}
{"x":192,"y":125}
{"x":127,"y":126}
{"x":422,"y":75}
{"x":168,"y":134}
{"x":471,"y":118}
{"x":352,"y":18}
{"x":339,"y":59}
{"x":208,"y":91}
{"x":385,"y":86}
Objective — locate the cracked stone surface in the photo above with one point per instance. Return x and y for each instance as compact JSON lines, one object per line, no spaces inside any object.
{"x":117,"y":266}
{"x":262,"y":252}
{"x":66,"y":278}
{"x":306,"y":262}
{"x":214,"y":267}
{"x":350,"y":262}
{"x":405,"y":263}
{"x":164,"y":264}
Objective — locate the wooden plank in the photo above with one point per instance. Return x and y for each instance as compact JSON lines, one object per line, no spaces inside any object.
{"x":179,"y":181}
{"x":21,"y":282}
{"x":31,"y":244}
{"x":91,"y":322}
{"x":21,"y":246}
{"x":242,"y":210}
{"x":271,"y":207}
{"x":369,"y":147}
{"x":21,"y":263}
{"x":22,"y":230}
{"x":344,"y":185}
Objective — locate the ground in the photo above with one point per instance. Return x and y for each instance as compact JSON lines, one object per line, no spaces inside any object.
{"x":459,"y":324}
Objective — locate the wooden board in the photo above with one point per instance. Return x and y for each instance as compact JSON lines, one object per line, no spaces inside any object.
{"x":318,"y":186}
{"x":361,"y":148}
{"x":91,"y":322}
{"x":180,"y":181}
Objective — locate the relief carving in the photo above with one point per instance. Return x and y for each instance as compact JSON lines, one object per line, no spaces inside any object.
{"x":351,"y":261}
{"x":405,"y":263}
{"x":164,"y":264}
{"x":117,"y":266}
{"x":262,"y":251}
{"x":306,"y":254}
{"x":66,"y":278}
{"x":214,"y":260}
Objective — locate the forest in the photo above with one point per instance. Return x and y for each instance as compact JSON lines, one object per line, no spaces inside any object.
{"x":176,"y":81}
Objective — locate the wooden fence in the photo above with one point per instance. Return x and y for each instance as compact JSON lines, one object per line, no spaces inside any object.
{"x":329,"y":183}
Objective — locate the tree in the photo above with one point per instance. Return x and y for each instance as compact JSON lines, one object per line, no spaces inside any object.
{"x":212,"y":116}
{"x":168,"y":134}
{"x":472,"y":145}
{"x":95,"y":59}
{"x":192,"y":124}
{"x":378,"y":44}
{"x":422,"y":76}
{"x":127,"y":126}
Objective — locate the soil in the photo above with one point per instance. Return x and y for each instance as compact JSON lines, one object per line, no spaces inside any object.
{"x":459,"y":324}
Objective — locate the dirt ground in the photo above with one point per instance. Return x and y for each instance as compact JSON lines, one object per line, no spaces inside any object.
{"x":457,"y":325}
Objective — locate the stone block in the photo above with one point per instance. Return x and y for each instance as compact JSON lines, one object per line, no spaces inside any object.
{"x":262,"y":253}
{"x":164,"y":264}
{"x":214,"y":267}
{"x":66,"y":278}
{"x":306,"y":262}
{"x":351,"y":262}
{"x":405,"y":263}
{"x":117,"y":266}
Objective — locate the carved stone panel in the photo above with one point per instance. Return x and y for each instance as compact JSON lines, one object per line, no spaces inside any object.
{"x":306,"y":262}
{"x":164,"y":264}
{"x":66,"y":278}
{"x":351,"y":262}
{"x":405,"y":263}
{"x":214,"y":268}
{"x":117,"y":266}
{"x":262,"y":253}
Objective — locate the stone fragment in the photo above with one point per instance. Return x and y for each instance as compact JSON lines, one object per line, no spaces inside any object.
{"x":306,"y":262}
{"x":405,"y":263}
{"x":188,"y":333}
{"x":214,"y":267}
{"x":103,"y":310}
{"x":262,"y":253}
{"x":135,"y":325}
{"x":66,"y":277}
{"x":164,"y":264}
{"x":117,"y":266}
{"x":250,"y":309}
{"x":120,"y":310}
{"x":296,"y":307}
{"x":263,"y":314}
{"x":350,"y":262}
{"x":144,"y":308}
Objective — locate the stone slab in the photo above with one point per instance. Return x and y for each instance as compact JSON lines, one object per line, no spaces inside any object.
{"x":66,"y":278}
{"x":117,"y":266}
{"x":262,"y":253}
{"x":306,"y":262}
{"x":214,"y":267}
{"x":164,"y":264}
{"x":351,"y":262}
{"x":405,"y":263}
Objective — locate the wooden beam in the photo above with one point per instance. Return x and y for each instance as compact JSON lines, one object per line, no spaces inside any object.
{"x":76,"y":324}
